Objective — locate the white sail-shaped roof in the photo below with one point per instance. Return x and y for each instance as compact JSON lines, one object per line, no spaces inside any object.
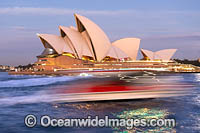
{"x":148,"y":54}
{"x":56,"y":42}
{"x":72,"y":27}
{"x":77,"y":40}
{"x":88,"y":40}
{"x":98,"y":38}
{"x":164,"y":55}
{"x":117,"y":53}
{"x":129,"y":46}
{"x":69,"y":44}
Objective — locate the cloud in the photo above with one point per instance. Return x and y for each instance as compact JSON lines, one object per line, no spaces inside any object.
{"x":191,"y":36}
{"x":23,"y":28}
{"x":56,"y":11}
{"x":64,"y":11}
{"x":18,"y":28}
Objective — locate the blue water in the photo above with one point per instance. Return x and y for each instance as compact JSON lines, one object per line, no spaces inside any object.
{"x":22,"y":95}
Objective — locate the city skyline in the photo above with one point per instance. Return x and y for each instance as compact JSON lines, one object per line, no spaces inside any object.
{"x":160,"y":25}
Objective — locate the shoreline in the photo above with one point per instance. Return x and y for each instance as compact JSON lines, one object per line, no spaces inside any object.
{"x":77,"y":72}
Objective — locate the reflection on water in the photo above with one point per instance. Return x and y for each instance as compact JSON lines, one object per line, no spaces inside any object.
{"x":197,"y":100}
{"x":148,"y":114}
{"x":197,"y":77}
{"x":40,"y":95}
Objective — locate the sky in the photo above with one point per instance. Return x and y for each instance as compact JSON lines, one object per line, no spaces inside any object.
{"x":160,"y":24}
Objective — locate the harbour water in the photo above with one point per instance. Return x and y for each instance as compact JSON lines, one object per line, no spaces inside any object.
{"x":21,"y":95}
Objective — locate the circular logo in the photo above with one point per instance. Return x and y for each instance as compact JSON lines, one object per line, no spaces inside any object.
{"x":30,"y":120}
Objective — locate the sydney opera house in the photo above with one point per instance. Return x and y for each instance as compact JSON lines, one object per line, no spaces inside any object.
{"x":86,"y":46}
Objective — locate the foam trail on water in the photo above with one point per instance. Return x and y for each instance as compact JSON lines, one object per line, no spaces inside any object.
{"x":198,"y":77}
{"x":6,"y":101}
{"x":35,"y":81}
